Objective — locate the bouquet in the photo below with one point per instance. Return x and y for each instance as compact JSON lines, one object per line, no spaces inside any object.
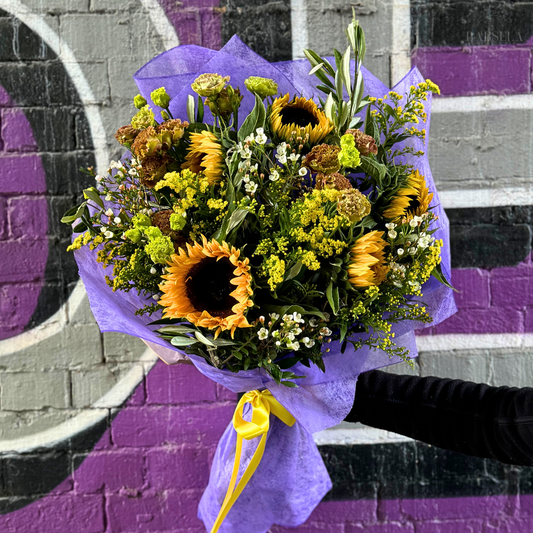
{"x":281,"y":227}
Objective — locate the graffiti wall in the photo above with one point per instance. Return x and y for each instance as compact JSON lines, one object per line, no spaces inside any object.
{"x":98,"y":437}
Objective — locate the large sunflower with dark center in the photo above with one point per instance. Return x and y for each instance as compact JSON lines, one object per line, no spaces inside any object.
{"x":299,"y":115}
{"x":208,"y":286}
{"x":411,"y":200}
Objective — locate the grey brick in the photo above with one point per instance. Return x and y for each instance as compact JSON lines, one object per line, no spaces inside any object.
{"x":122,"y":348}
{"x":469,"y":365}
{"x":34,"y":390}
{"x":15,"y":424}
{"x":96,"y":36}
{"x":88,"y":386}
{"x":512,"y":367}
{"x":73,"y":347}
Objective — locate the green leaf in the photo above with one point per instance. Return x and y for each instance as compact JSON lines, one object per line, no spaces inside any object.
{"x":373,"y":168}
{"x":92,"y":194}
{"x":289,"y":384}
{"x":175,"y":330}
{"x":256,"y":119}
{"x":236,"y":219}
{"x":332,"y":294}
{"x":344,"y":330}
{"x":316,"y":68}
{"x":203,"y":339}
{"x":437,"y":273}
{"x":294,"y":271}
{"x":182,"y":341}
{"x":73,"y":214}
{"x":315,"y":59}
{"x":222,"y":342}
{"x":190,"y":108}
{"x":329,"y":107}
{"x":222,"y":232}
{"x":345,"y":71}
{"x":200,"y":112}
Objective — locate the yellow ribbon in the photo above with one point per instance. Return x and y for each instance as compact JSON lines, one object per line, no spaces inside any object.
{"x":263,"y":403}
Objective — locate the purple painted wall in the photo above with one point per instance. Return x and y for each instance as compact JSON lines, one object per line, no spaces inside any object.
{"x":23,"y":219}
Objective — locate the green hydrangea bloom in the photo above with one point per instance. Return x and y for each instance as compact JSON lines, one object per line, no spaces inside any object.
{"x":133,"y":235}
{"x":143,"y":119}
{"x":139,"y":101}
{"x":152,"y":233}
{"x":177,"y":222}
{"x":160,"y":97}
{"x":140,"y":221}
{"x":349,"y":155}
{"x":160,"y":249}
{"x":263,"y":87}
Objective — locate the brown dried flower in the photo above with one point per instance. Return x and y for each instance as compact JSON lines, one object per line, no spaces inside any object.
{"x":332,"y":181}
{"x":126,"y":135}
{"x":153,"y":169}
{"x":354,"y":205}
{"x":323,"y":158}
{"x":363,"y":142}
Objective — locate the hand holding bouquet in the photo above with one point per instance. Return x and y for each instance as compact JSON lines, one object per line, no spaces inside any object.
{"x":273,"y":237}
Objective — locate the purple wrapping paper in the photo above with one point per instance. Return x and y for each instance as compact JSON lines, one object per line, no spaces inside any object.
{"x":291,"y":479}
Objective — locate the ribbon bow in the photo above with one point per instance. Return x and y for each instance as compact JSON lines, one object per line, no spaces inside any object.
{"x":263,"y":403}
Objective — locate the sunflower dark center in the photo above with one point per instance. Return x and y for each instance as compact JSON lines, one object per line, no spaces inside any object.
{"x":413,"y":202}
{"x":208,"y":286}
{"x":298,"y":116}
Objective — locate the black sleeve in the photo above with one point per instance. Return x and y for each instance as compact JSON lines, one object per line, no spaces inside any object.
{"x":470,"y":418}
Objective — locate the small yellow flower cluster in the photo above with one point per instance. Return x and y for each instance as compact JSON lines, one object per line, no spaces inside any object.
{"x":323,"y":246}
{"x":308,"y":259}
{"x":185,"y":183}
{"x":274,"y":268}
{"x":79,"y":241}
{"x":218,"y":205}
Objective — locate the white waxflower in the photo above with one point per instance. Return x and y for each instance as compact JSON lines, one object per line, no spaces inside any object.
{"x":392,"y":234}
{"x":281,"y":148}
{"x":153,"y":270}
{"x":281,"y":158}
{"x":294,"y":346}
{"x":309,"y":343}
{"x":327,"y":316}
{"x":108,"y":234}
{"x":117,"y":220}
{"x":260,"y":138}
{"x":275,"y":333}
{"x":297,"y":330}
{"x":412,"y":250}
{"x":274,"y":176}
{"x":390,"y":225}
{"x":246,"y":178}
{"x":274,"y":316}
{"x":132,"y":172}
{"x":250,"y":138}
{"x":99,"y":178}
{"x":109,"y":212}
{"x":260,"y":131}
{"x":253,"y":168}
{"x":278,"y":343}
{"x":313,"y":322}
{"x":251,"y":187}
{"x":291,"y":336}
{"x":294,"y":157}
{"x":262,"y":334}
{"x":325,"y":331}
{"x":413,"y":223}
{"x":108,"y":197}
{"x":302,"y":172}
{"x":297,"y":317}
{"x":400,"y":251}
{"x":155,"y":297}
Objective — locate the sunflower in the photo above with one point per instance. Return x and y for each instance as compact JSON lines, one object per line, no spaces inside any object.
{"x":367,"y":265}
{"x":411,"y":200}
{"x":297,"y":115}
{"x":205,"y":155}
{"x":208,"y":286}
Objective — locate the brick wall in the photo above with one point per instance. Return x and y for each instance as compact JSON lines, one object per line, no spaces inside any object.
{"x":95,"y":436}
